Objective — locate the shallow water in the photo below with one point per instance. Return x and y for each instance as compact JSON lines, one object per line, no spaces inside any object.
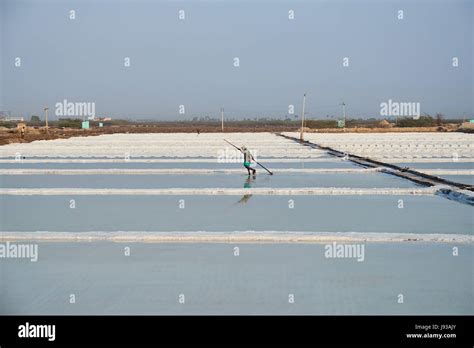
{"x":437,"y":165}
{"x":464,"y":179}
{"x":258,"y":281}
{"x":372,"y":180}
{"x":420,"y":214}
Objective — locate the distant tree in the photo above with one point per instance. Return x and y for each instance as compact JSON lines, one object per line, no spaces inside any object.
{"x":69,"y":123}
{"x":423,"y":121}
{"x":35,"y":119}
{"x":318,"y":124}
{"x":439,"y":119}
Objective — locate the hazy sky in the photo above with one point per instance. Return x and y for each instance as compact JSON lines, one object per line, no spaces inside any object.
{"x":191,"y":62}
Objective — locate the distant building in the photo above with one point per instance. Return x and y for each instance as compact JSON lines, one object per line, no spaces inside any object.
{"x":12,"y":119}
{"x":99,"y":119}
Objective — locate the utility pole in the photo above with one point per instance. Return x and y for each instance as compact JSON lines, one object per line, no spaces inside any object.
{"x":222,"y":119}
{"x":302,"y":117}
{"x":46,"y":118}
{"x":344,"y":114}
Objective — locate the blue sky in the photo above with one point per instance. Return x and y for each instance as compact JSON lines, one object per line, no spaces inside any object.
{"x":190,"y":62}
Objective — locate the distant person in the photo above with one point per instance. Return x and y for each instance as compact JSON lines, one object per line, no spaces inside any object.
{"x":249,"y":161}
{"x":198,"y":131}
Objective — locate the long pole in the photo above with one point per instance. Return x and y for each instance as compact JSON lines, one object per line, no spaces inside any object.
{"x":46,"y":118}
{"x":302,"y":118}
{"x":222,"y":119}
{"x":238,"y":148}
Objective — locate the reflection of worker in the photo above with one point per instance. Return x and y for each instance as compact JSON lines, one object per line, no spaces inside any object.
{"x":249,"y":161}
{"x":249,"y":181}
{"x":247,"y":184}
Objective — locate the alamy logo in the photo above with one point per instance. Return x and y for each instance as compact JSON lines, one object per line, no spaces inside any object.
{"x":37,"y":331}
{"x":80,"y":109}
{"x":21,"y":251}
{"x":336,"y":250}
{"x":392,"y":108}
{"x":233,"y":156}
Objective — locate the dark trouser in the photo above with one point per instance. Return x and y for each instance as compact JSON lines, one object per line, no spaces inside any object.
{"x":249,"y":168}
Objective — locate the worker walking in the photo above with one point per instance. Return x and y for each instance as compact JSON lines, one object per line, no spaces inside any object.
{"x":249,"y":160}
